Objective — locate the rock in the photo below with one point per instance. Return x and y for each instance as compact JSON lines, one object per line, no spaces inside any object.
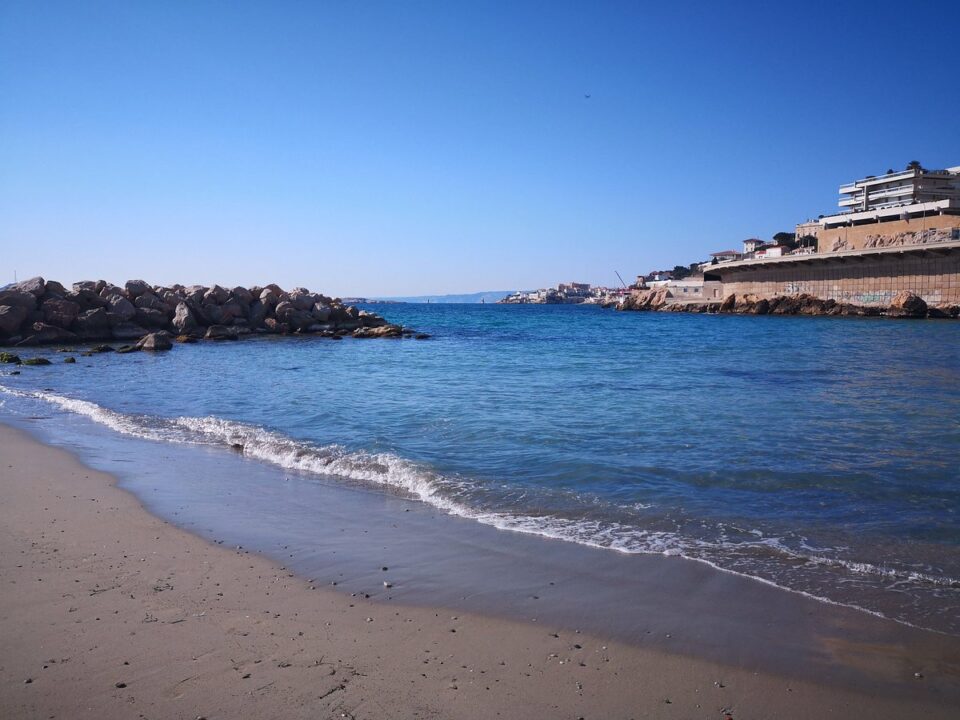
{"x":943,"y":311}
{"x":119,"y":309}
{"x":11,"y":318}
{"x":36,"y":361}
{"x":18,"y":298}
{"x":183,"y":319}
{"x":127,"y":331}
{"x":69,"y":359}
{"x":58,"y":311}
{"x":214,"y":314}
{"x":302,"y":299}
{"x":269,"y":298}
{"x":93,"y":324}
{"x":257,"y":314}
{"x":221,"y":332}
{"x":728,"y":303}
{"x":233,"y":310}
{"x":148,"y":317}
{"x":907,"y":304}
{"x":42,"y":333}
{"x":149,"y":301}
{"x":421,"y":336}
{"x":36,"y":286}
{"x":53,"y":289}
{"x":241,"y":295}
{"x":136,"y":288}
{"x":9,"y":358}
{"x":187,"y":339}
{"x":216,"y":295}
{"x":378,"y":332}
{"x":320,"y":312}
{"x":101,"y":349}
{"x":124,"y":349}
{"x":156,"y":341}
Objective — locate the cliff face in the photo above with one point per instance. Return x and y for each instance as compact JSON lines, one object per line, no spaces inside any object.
{"x":38,"y":311}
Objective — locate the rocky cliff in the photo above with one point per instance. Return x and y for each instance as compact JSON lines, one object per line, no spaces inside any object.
{"x":38,"y":311}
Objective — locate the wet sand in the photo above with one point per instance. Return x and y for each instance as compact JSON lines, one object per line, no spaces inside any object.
{"x":109,"y":612}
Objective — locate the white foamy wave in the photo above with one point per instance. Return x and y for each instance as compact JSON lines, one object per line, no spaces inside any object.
{"x":418,"y":481}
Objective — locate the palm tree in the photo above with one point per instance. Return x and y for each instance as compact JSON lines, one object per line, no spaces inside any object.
{"x":915,"y":165}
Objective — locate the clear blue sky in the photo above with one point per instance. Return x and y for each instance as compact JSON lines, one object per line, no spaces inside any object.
{"x":413,"y":147}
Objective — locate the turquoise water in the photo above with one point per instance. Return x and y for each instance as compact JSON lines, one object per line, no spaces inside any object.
{"x":817,"y":454}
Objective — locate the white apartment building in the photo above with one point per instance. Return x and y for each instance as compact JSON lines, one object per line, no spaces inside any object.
{"x":897,"y":196}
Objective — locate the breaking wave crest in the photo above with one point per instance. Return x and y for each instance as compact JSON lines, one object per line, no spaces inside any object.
{"x":765,"y":559}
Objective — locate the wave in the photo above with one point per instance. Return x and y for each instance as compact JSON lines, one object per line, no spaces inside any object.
{"x":452,"y":495}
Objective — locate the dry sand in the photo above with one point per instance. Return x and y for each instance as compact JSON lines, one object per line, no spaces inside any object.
{"x":109,"y":612}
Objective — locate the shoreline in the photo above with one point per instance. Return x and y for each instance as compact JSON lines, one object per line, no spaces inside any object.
{"x":189,"y":647}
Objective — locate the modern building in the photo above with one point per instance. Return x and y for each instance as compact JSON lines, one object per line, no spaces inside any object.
{"x":911,"y":207}
{"x":725,"y":255}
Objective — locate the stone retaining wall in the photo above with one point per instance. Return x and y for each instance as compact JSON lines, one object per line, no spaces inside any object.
{"x":868,"y":280}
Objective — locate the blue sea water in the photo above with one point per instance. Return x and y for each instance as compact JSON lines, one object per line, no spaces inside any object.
{"x":818,"y":454}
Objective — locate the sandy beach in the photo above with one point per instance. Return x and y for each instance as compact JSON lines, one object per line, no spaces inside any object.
{"x":109,"y":612}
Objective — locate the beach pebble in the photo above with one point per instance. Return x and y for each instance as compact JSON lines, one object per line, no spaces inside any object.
{"x":387,"y":584}
{"x":120,"y":685}
{"x":918,"y":675}
{"x":28,"y":681}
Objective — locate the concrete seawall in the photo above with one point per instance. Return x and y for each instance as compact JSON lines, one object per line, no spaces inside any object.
{"x":870,"y":278}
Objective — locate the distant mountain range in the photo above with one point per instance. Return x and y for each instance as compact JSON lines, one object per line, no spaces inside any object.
{"x":488,"y":296}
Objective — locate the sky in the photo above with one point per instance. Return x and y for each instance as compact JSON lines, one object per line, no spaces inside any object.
{"x":402,"y":148}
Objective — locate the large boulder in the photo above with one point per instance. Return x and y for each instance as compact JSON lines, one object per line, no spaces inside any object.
{"x":93,"y":324}
{"x":149,"y":301}
{"x":20,"y":298}
{"x":36,"y":286}
{"x":11,"y":318}
{"x":119,"y":309}
{"x":907,"y":304}
{"x":57,"y":311}
{"x":51,"y":288}
{"x":127,"y":331}
{"x":257,"y":314}
{"x":41,"y":333}
{"x":149,"y":317}
{"x":241,"y":295}
{"x":136,"y":288}
{"x":216,"y":295}
{"x":155,"y":341}
{"x":269,"y":298}
{"x":221,"y":332}
{"x":183,"y":320}
{"x":321,"y":312}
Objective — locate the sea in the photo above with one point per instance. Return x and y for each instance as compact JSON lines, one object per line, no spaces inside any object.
{"x":817,"y":455}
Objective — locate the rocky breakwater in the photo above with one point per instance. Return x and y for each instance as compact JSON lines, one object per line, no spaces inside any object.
{"x":905,"y":305}
{"x":41,"y":312}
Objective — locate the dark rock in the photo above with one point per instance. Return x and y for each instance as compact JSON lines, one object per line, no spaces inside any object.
{"x":10,"y":358}
{"x":221,"y":332}
{"x":214,"y":314}
{"x":256,"y":314}
{"x":69,"y":359}
{"x":421,"y":336}
{"x":242,"y":295}
{"x":156,"y":342}
{"x":36,"y":286}
{"x":36,"y":361}
{"x":148,"y":317}
{"x":136,"y":288}
{"x":93,"y":324}
{"x":42,"y":333}
{"x":149,"y":301}
{"x":18,"y":298}
{"x":186,"y":339}
{"x":216,"y":295}
{"x":11,"y":318}
{"x":124,"y":349}
{"x":102,"y":349}
{"x":119,"y":309}
{"x":58,"y":311}
{"x":127,"y":331}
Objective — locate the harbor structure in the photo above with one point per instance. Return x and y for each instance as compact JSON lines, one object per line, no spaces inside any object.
{"x":894,"y":233}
